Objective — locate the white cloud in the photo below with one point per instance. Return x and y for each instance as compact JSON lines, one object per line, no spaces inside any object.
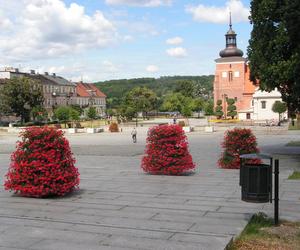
{"x":177,"y":52}
{"x":109,"y":66}
{"x":174,"y":41}
{"x":152,"y":68}
{"x":49,"y":28}
{"x":214,"y":14}
{"x":5,"y":23}
{"x":127,"y":38}
{"x":140,"y":3}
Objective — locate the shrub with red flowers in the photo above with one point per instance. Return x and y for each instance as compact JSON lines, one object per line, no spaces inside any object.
{"x":167,"y":151}
{"x":237,"y":142}
{"x":114,"y":127}
{"x":42,"y":164}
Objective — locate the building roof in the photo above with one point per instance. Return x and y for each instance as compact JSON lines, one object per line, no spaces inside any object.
{"x":88,"y":90}
{"x":46,"y":78}
{"x":58,"y":80}
{"x":264,"y":94}
{"x":231,"y":59}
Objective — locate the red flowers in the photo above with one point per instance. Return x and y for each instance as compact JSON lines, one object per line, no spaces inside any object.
{"x":167,"y":151}
{"x":237,"y":142}
{"x":113,"y":127}
{"x":42,"y":165}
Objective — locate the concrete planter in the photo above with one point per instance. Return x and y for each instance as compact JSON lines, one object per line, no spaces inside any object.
{"x":91,"y":130}
{"x":99,"y":130}
{"x":72,"y":130}
{"x":187,"y":129}
{"x":209,"y":129}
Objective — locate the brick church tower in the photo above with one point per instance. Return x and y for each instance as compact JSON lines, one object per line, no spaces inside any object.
{"x":232,"y":78}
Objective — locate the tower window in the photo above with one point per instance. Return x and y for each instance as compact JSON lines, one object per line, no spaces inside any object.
{"x":263,"y":104}
{"x":224,"y":74}
{"x":230,"y":76}
{"x":236,"y":74}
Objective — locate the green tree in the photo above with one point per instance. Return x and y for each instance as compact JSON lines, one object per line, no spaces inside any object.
{"x":128,"y":111}
{"x":91,"y":114}
{"x":279,"y":107}
{"x":173,"y":102}
{"x":77,"y":108}
{"x":115,"y":89}
{"x":62,"y":113}
{"x":274,"y":48}
{"x":38,"y":113}
{"x":231,"y":108}
{"x":20,"y":95}
{"x":74,"y":115}
{"x":218,"y":112}
{"x":178,"y":102}
{"x":140,"y":99}
{"x":186,"y":88}
{"x":197,"y":105}
{"x":209,"y":108}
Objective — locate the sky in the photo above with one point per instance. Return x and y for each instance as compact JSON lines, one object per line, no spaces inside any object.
{"x":96,"y":40}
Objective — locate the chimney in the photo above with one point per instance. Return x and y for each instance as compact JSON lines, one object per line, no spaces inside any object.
{"x":53,"y":74}
{"x":32,"y":72}
{"x":46,"y":73}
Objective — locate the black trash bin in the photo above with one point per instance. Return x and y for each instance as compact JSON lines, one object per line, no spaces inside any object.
{"x":256,"y":179}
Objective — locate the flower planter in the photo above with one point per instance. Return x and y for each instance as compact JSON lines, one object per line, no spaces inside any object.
{"x":72,"y":130}
{"x":209,"y":129}
{"x":91,"y":130}
{"x":187,"y":129}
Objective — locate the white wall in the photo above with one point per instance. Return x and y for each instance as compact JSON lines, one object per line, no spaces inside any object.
{"x":260,"y":113}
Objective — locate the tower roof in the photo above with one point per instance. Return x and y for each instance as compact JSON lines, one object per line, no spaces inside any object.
{"x":231,"y":49}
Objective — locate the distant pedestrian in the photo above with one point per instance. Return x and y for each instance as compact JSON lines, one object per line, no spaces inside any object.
{"x":133,"y":134}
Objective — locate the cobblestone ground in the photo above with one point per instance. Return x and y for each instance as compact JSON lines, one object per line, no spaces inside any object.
{"x":120,"y":207}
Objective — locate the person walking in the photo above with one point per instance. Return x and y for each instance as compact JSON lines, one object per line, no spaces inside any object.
{"x":133,"y":134}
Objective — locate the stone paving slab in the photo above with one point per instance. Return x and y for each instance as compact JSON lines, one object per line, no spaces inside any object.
{"x":120,"y":207}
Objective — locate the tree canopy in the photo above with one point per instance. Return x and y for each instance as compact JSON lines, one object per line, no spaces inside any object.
{"x":139,"y":99}
{"x":19,"y":96}
{"x":115,"y":89}
{"x":279,"y":107}
{"x":274,"y":48}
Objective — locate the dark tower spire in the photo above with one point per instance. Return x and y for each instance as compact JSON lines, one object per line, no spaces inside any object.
{"x":231,"y":48}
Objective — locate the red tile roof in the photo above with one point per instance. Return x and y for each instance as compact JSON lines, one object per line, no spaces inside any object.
{"x":88,"y":89}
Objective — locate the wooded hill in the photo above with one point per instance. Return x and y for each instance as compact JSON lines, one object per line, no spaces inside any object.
{"x":116,"y":89}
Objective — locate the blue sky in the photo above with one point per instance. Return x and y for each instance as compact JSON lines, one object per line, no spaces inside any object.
{"x":98,"y":40}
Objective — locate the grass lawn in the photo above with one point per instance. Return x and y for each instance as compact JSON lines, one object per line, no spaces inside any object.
{"x":94,"y":123}
{"x":293,"y":144}
{"x":294,"y":176}
{"x":260,"y":233}
{"x":295,"y":127}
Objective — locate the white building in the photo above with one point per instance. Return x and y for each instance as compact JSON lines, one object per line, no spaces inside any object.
{"x":262,"y":105}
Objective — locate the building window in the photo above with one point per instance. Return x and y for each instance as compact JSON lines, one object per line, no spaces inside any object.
{"x":236,"y":74}
{"x":224,"y":74}
{"x":252,"y":102}
{"x":263,"y":104}
{"x":248,"y":116}
{"x":230,"y":76}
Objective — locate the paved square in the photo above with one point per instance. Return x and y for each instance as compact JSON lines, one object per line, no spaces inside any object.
{"x":120,"y":207}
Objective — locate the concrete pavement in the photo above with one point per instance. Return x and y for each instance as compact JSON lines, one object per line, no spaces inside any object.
{"x":120,"y":207}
